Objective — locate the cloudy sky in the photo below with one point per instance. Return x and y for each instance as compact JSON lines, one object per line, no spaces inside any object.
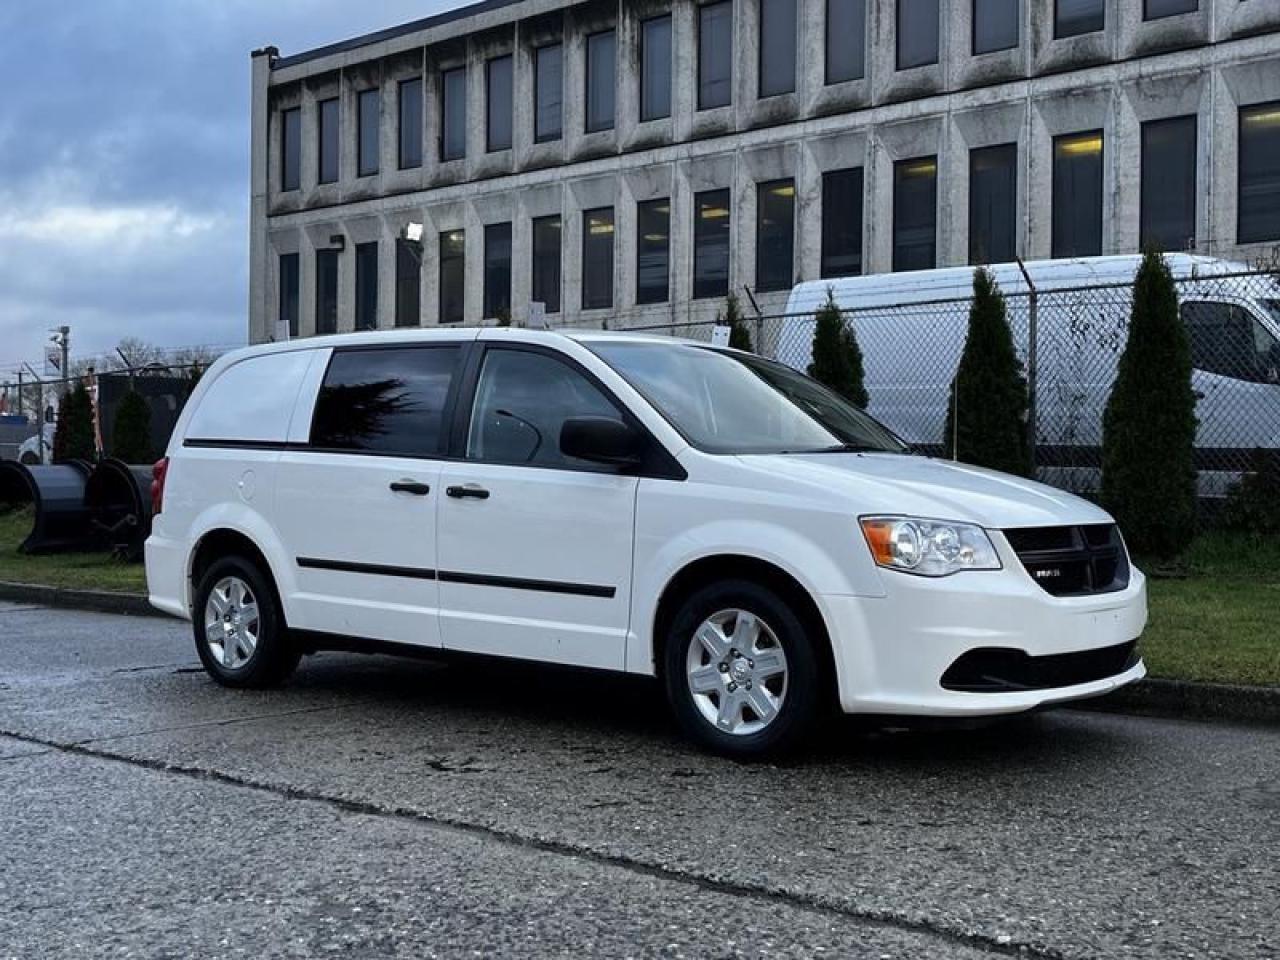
{"x":124,"y":155}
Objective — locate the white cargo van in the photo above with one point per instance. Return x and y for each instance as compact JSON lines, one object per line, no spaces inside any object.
{"x":912,"y":328}
{"x":626,"y":503}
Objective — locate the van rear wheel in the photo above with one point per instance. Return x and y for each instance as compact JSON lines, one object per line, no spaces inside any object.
{"x":240,"y":633}
{"x":741,"y":671}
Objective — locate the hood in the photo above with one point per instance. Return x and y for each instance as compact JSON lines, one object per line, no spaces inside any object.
{"x":923,"y":486}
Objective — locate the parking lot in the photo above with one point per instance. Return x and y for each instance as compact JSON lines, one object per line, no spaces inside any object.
{"x":377,"y":807}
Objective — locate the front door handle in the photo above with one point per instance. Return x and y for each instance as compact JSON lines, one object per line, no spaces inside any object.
{"x":470,"y":492}
{"x":411,"y":486}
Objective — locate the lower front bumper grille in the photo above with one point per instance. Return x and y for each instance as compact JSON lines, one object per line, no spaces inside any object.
{"x":1004,"y":670}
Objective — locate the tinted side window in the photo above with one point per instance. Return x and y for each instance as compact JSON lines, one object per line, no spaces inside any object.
{"x":522,"y":401}
{"x":385,"y":401}
{"x":1227,"y":341}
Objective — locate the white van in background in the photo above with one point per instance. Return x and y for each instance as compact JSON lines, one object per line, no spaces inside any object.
{"x":912,"y":327}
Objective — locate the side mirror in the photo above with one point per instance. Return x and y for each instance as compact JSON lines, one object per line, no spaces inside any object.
{"x":600,"y":440}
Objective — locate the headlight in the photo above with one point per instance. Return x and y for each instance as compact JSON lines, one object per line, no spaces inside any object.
{"x":929,"y":548}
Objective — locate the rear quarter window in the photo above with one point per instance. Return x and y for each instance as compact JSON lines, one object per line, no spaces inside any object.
{"x":251,"y":401}
{"x":390,"y":401}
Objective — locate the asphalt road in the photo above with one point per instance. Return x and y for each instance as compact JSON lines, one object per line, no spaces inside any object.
{"x":377,"y":807}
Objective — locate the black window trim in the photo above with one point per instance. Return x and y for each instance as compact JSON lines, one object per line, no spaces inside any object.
{"x":659,"y":463}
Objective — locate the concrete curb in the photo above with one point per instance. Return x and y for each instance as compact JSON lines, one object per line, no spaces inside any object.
{"x":1174,"y":699}
{"x":96,"y":601}
{"x":1185,"y":700}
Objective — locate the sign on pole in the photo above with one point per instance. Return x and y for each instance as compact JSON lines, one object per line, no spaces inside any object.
{"x":53,"y":361}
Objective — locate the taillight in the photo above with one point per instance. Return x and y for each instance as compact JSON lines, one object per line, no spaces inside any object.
{"x":158,"y":473}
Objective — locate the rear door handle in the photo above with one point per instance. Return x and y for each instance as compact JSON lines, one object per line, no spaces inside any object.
{"x":470,"y":492}
{"x":411,"y":486}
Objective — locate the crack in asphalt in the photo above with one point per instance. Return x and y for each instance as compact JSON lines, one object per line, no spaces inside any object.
{"x":759,"y":892}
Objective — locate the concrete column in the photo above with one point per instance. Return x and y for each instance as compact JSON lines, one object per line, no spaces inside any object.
{"x":261,"y":322}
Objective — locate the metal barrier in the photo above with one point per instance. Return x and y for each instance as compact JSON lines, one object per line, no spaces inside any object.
{"x":118,"y":498}
{"x":61,"y":520}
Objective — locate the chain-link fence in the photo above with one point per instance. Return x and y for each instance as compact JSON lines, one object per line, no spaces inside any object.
{"x":1070,"y":341}
{"x":29,"y":410}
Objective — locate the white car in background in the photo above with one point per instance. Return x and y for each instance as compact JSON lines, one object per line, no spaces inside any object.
{"x":625,"y":503}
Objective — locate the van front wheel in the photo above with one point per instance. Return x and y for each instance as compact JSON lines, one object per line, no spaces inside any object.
{"x":240,"y":633}
{"x":741,"y":673}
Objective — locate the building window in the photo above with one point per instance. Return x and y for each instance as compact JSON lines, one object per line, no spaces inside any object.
{"x":291,"y":149}
{"x":842,"y":223}
{"x":330,"y":140}
{"x":777,"y":47}
{"x":411,"y":124}
{"x":453,"y":276}
{"x":655,"y":68}
{"x":915,"y":214}
{"x":1259,"y":174}
{"x":711,"y":244}
{"x":1077,"y":195}
{"x":1074,"y":17}
{"x":995,"y":25}
{"x":327,"y":291}
{"x":917,"y":33}
{"x":408,"y":284}
{"x":1168,"y":218}
{"x":775,"y":235}
{"x":846,"y":40}
{"x":1156,"y":9}
{"x":602,"y":49}
{"x":368,"y":127}
{"x":497,"y":271}
{"x":548,"y":93}
{"x":366,"y":286}
{"x":546,"y":262}
{"x":498,"y":93}
{"x":653,"y":251}
{"x":453,"y":114}
{"x":715,"y":55}
{"x":993,"y":204}
{"x":290,"y":291}
{"x":597,"y":259}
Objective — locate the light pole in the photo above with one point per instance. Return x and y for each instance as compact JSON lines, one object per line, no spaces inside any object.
{"x":62,"y":339}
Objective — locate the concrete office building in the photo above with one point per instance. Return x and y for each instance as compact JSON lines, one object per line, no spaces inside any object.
{"x":632,"y":161}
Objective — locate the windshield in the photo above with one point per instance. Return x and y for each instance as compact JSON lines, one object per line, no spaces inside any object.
{"x":725,"y":402}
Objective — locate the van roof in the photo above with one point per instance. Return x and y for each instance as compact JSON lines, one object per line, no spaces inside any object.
{"x":450,"y":335}
{"x":956,"y":283}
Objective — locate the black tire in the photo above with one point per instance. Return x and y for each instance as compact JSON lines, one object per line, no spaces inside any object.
{"x":275,"y":655}
{"x":803,"y":698}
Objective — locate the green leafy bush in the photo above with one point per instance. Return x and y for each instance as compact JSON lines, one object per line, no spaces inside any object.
{"x":837,"y":358}
{"x":1253,"y":505}
{"x":987,"y":410}
{"x":1149,"y":427}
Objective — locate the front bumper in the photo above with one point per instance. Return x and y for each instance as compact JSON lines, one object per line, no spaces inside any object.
{"x":891,"y":652}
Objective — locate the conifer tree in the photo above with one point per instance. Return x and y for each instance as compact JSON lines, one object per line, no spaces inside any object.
{"x":837,"y":358}
{"x":987,"y":410}
{"x":1149,"y":427}
{"x":131,"y":438}
{"x":73,"y":437}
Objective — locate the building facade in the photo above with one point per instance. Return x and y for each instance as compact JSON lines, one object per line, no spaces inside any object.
{"x":631,"y":162}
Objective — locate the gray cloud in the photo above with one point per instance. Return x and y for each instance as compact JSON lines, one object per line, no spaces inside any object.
{"x":124,"y":155}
